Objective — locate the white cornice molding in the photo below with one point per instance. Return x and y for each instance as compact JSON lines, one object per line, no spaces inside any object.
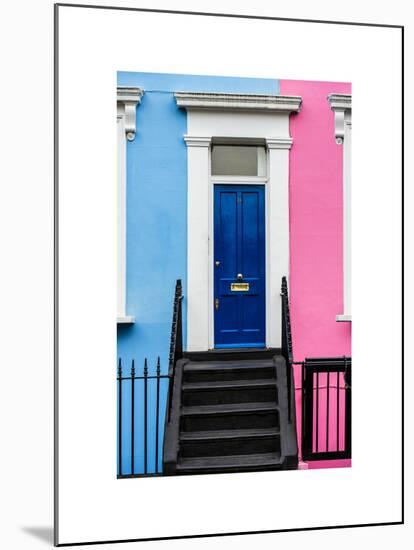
{"x":129,"y":97}
{"x":238,"y":102}
{"x":340,"y":104}
{"x":197,"y":141}
{"x":205,"y":141}
{"x":340,"y":101}
{"x":279,"y":143}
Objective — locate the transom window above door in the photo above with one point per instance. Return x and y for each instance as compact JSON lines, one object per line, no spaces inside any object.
{"x":238,"y":160}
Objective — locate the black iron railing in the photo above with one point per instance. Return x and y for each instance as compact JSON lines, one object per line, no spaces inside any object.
{"x":326,"y":408}
{"x":176,"y":341}
{"x":141,"y":398}
{"x":287,"y":348}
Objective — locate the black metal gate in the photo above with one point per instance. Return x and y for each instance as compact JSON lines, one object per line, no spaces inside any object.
{"x":326,"y":408}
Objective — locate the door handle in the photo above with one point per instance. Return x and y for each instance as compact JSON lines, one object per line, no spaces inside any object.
{"x":240,"y":276}
{"x":216,"y":303}
{"x":217,"y":263}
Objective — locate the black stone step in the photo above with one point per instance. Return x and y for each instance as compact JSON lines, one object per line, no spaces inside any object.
{"x":200,"y":371}
{"x":229,"y":416}
{"x":228,"y":434}
{"x":231,"y":354}
{"x":225,"y":442}
{"x":215,"y":385}
{"x":230,"y":463}
{"x":229,"y":391}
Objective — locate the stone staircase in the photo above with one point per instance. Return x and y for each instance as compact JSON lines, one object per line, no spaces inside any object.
{"x":229,"y":413}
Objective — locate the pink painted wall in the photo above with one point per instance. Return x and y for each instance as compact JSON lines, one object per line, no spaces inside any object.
{"x":316,"y":224}
{"x":316,"y":265}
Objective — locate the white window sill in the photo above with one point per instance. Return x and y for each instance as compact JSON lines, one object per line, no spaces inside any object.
{"x":125,"y":320}
{"x":344,"y":318}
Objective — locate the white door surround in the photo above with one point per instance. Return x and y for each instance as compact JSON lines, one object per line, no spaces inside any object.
{"x":242,"y":119}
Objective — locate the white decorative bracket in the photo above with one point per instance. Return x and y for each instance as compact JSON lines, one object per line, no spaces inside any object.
{"x":127,"y":99}
{"x":341,"y":105}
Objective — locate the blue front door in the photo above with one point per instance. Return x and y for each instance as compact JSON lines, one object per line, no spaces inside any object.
{"x":239,"y":266}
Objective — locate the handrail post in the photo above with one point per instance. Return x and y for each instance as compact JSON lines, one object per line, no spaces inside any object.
{"x":145,"y":416}
{"x":176,"y":340}
{"x":287,"y":351}
{"x":132,"y":415}
{"x":119,"y":417}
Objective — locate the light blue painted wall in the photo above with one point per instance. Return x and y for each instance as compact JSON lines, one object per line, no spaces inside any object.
{"x":164,"y":82}
{"x":157,"y":227}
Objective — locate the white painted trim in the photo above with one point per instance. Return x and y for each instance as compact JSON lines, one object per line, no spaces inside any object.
{"x":344,"y":318}
{"x":341,"y":105}
{"x":240,"y":102}
{"x":198,"y":249}
{"x":279,"y":143}
{"x":340,"y":101}
{"x":238,"y":125}
{"x":127,"y":100}
{"x":241,"y":180}
{"x":125,"y":320}
{"x":347,"y":235}
{"x":277,"y":239}
{"x":121,"y":217}
{"x":197,"y":141}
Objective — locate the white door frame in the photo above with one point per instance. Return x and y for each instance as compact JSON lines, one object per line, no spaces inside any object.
{"x":234,"y":118}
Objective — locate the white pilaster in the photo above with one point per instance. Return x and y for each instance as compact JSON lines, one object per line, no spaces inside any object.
{"x":121,"y":303}
{"x":277,"y":239}
{"x":198,"y":155}
{"x":347,"y":217}
{"x":127,"y":100}
{"x":341,"y":105}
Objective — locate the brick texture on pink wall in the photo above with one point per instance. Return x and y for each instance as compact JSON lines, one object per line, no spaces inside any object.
{"x":316,"y":235}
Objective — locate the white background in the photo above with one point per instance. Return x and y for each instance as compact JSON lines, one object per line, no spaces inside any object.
{"x":26,"y":216}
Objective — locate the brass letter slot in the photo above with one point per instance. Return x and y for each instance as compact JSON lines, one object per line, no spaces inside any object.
{"x":239,"y":287}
